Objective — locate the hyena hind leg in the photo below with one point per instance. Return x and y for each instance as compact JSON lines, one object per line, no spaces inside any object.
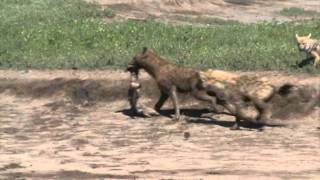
{"x":263,"y":108}
{"x":174,"y":98}
{"x":212,"y":100}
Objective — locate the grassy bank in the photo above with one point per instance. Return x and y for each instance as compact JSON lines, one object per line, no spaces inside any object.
{"x":71,"y":33}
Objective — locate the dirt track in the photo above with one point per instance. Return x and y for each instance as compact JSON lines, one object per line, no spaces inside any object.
{"x":60,"y":129}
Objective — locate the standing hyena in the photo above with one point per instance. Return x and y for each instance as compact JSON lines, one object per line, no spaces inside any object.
{"x":170,"y":79}
{"x":235,"y":92}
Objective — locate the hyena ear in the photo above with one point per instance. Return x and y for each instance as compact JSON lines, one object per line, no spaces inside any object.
{"x":297,"y":36}
{"x":144,"y":50}
{"x":203,"y":78}
{"x":129,"y":68}
{"x":309,"y":36}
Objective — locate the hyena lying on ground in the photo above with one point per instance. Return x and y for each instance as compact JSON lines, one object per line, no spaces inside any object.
{"x":240,"y":93}
{"x":236,"y":92}
{"x":310,"y":46}
{"x":172,"y":79}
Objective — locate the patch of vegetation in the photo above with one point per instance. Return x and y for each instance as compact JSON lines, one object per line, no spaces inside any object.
{"x":122,"y":7}
{"x":109,"y":13}
{"x":71,"y":33}
{"x":296,"y":11}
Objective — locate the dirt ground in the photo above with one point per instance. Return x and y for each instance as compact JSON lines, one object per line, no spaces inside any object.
{"x":76,"y":125}
{"x":246,"y":11}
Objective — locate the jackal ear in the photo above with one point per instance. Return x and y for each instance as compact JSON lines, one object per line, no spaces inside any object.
{"x":297,"y":36}
{"x":309,"y":36}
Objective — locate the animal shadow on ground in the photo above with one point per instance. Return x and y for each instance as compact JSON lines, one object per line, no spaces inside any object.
{"x":304,"y":62}
{"x":130,"y":113}
{"x":241,"y":2}
{"x":168,"y":112}
{"x":195,"y":116}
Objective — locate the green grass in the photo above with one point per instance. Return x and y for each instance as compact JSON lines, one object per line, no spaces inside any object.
{"x":72,"y":33}
{"x":296,"y":11}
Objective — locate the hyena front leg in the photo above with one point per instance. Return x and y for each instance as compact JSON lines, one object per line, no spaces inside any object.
{"x":235,"y":110}
{"x":163,"y":98}
{"x":263,"y":108}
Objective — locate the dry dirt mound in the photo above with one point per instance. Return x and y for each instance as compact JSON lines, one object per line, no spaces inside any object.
{"x":239,"y":10}
{"x":66,"y":125}
{"x":84,"y":88}
{"x":299,"y":99}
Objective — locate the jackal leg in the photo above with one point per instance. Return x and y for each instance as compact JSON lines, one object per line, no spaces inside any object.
{"x":316,"y":58}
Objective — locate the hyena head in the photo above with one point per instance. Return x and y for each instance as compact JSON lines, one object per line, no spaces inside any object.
{"x":136,"y":63}
{"x":148,"y":60}
{"x":303,"y":41}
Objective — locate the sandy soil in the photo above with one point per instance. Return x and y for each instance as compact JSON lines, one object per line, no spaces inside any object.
{"x":64,"y":129}
{"x":247,"y":11}
{"x":76,"y":124}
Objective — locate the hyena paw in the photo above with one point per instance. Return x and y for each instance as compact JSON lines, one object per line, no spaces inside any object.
{"x":235,"y":127}
{"x":177,"y":118}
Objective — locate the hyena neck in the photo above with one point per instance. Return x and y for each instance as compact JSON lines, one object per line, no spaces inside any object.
{"x":152,"y":65}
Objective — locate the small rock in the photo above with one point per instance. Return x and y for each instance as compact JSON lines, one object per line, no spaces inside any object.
{"x":186,"y":135}
{"x":93,"y":166}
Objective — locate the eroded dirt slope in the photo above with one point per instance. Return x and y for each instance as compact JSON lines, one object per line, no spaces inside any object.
{"x":68,"y":133}
{"x":248,"y":11}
